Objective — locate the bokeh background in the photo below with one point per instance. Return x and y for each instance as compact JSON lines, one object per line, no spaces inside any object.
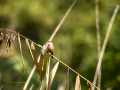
{"x":75,"y":43}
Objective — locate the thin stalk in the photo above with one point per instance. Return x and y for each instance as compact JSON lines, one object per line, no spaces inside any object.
{"x":98,"y":43}
{"x":105,"y":42}
{"x":57,"y":28}
{"x":30,"y":76}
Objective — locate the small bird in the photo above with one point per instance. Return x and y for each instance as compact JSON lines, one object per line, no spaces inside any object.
{"x":50,"y":47}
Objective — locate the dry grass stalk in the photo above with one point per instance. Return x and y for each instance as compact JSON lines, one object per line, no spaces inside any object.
{"x":33,"y":69}
{"x":57,"y":28}
{"x":105,"y":42}
{"x":21,"y":51}
{"x":38,"y":67}
{"x":41,"y":67}
{"x":41,"y":87}
{"x":52,"y":74}
{"x":27,"y":43}
{"x":41,"y":64}
{"x":97,"y":27}
{"x":98,"y":42}
{"x":34,"y":55}
{"x":47,"y":71}
{"x":30,"y":75}
{"x":77,"y":84}
{"x":31,"y":87}
{"x":67,"y":86}
{"x":89,"y":86}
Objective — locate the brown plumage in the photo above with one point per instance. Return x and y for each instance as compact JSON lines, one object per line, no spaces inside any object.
{"x":50,"y":47}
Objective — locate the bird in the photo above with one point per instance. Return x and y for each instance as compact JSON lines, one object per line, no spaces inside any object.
{"x":50,"y":47}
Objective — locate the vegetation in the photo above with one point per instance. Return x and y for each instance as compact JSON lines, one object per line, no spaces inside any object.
{"x":75,"y":43}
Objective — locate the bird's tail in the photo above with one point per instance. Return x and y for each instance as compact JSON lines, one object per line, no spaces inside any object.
{"x":52,"y":54}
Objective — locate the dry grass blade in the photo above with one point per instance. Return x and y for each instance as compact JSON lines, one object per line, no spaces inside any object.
{"x":26,"y":40}
{"x":77,"y":84}
{"x":98,"y":41}
{"x":47,"y":71}
{"x":34,"y":55}
{"x":31,"y":87}
{"x":30,"y":75}
{"x":34,"y":58}
{"x":41,"y":67}
{"x":33,"y":69}
{"x":52,"y":74}
{"x":89,"y":86}
{"x":57,"y":28}
{"x":21,"y":51}
{"x":67,"y":86}
{"x":99,"y":79}
{"x":97,"y":27}
{"x":41,"y":87}
{"x":105,"y":42}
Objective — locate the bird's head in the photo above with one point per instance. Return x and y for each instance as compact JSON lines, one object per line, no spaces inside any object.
{"x":49,"y":42}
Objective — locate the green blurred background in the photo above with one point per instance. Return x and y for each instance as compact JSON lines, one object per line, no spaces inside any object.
{"x":75,"y":43}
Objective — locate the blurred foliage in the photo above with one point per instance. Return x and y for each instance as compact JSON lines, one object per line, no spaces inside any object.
{"x":75,"y":43}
